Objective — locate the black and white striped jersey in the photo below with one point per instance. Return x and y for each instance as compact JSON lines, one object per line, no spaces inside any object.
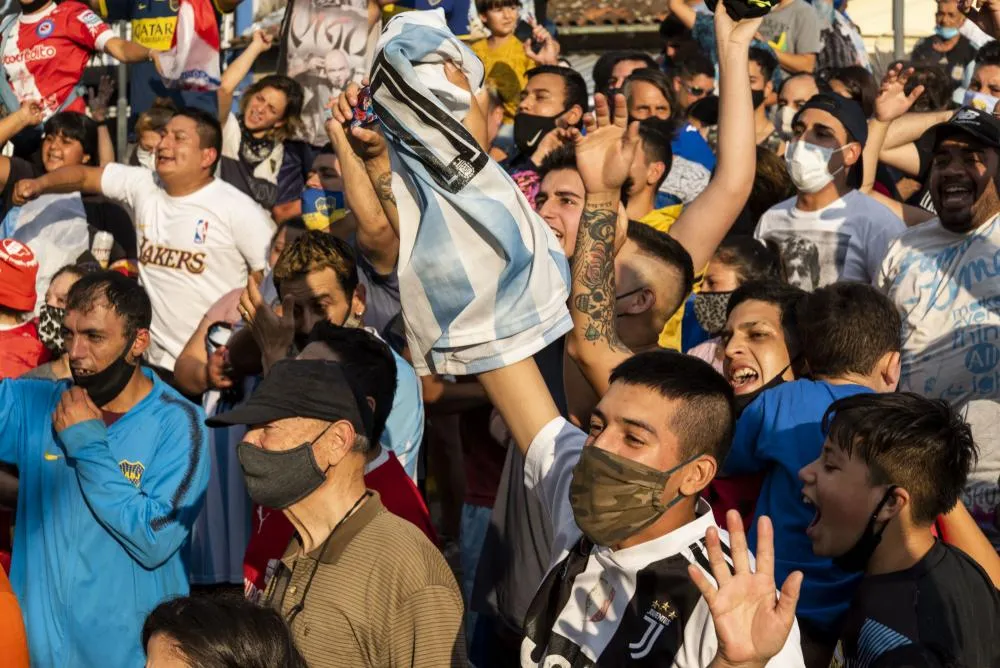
{"x":630,"y":607}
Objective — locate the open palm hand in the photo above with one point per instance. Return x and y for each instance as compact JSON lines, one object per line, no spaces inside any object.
{"x":605,"y":154}
{"x":751,"y":622}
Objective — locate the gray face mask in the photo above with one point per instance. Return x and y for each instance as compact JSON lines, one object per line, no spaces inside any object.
{"x":278,"y":479}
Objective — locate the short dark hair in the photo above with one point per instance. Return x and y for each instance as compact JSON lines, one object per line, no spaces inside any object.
{"x":749,"y":259}
{"x":313,"y":251}
{"x":563,"y":157}
{"x":664,"y":248}
{"x":208,"y":127}
{"x":922,"y":445}
{"x":78,"y":127}
{"x":656,"y":136}
{"x":693,"y":62}
{"x":847,"y":328}
{"x":938,"y":88}
{"x":222,"y":632}
{"x":633,"y":54}
{"x":704,"y":418}
{"x":483,"y":6}
{"x":781,"y":295}
{"x":125,"y":297}
{"x":368,"y":365}
{"x":576,"y":87}
{"x":860,"y":84}
{"x":766,"y":60}
{"x":294,"y":99}
{"x":989,"y":54}
{"x":295,"y":227}
{"x":78,"y":270}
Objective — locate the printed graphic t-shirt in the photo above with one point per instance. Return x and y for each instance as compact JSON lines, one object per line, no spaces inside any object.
{"x":45,"y":57}
{"x":844,"y":241}
{"x":325,"y":46}
{"x":944,"y":285}
{"x":192,"y":249}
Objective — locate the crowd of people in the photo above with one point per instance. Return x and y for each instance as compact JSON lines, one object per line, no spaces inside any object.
{"x":424,"y":351}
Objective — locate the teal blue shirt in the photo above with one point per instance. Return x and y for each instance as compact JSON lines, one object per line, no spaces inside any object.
{"x":102,"y":514}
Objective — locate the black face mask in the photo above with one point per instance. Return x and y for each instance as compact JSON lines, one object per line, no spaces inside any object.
{"x":757,"y":97}
{"x":277,"y":479}
{"x":32,"y":7}
{"x":105,"y":385}
{"x":744,"y":400}
{"x":856,"y":559}
{"x":530,"y":129}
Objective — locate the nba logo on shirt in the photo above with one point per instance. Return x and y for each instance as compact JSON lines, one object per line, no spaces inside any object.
{"x":200,"y":232}
{"x":45,"y":28}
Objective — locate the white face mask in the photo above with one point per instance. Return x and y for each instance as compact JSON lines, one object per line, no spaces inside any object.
{"x":809,"y":165}
{"x":146,"y":158}
{"x":783,"y":117}
{"x":980,"y":101}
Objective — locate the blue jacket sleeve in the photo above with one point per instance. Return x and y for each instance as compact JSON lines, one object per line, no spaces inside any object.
{"x":13,"y":404}
{"x":742,"y":456}
{"x":153,"y":520}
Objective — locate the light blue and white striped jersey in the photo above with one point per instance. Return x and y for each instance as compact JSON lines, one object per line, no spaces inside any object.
{"x":483,"y":281}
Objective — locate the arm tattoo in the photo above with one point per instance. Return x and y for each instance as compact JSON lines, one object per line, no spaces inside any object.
{"x":594,"y":275}
{"x":383,"y":188}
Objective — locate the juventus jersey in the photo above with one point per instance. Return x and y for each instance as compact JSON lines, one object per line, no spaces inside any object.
{"x":607,"y":608}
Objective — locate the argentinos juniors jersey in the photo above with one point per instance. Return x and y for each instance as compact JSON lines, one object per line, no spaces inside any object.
{"x":45,"y":56}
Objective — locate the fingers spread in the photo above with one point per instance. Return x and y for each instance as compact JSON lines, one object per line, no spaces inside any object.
{"x":738,"y":542}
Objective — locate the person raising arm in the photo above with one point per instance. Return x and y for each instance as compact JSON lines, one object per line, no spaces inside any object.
{"x":699,"y":229}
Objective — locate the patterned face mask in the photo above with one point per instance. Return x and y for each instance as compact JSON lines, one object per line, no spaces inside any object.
{"x":710,"y":310}
{"x":614,"y":497}
{"x":50,"y":319}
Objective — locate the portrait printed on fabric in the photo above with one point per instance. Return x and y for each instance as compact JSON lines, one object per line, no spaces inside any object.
{"x":812,"y":258}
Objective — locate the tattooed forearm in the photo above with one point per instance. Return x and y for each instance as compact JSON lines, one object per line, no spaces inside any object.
{"x":593,"y":292}
{"x":383,"y":188}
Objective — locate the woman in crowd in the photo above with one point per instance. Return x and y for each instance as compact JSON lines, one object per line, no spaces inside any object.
{"x":739,"y":260}
{"x":50,"y":317}
{"x":202,"y":632}
{"x":253,"y":140}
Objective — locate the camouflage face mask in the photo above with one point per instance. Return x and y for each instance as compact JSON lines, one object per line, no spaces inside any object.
{"x":614,"y":497}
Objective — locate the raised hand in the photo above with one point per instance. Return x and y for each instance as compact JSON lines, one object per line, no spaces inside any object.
{"x":32,"y":113}
{"x":605,"y":154}
{"x":751,"y":622}
{"x":101,"y":98}
{"x":261,"y":41}
{"x":731,"y":33}
{"x":26,"y":190}
{"x":367,"y":143}
{"x":274,"y":332}
{"x":892,"y":101}
{"x":548,"y":53}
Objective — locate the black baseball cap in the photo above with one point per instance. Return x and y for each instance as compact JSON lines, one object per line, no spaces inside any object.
{"x":301,"y":388}
{"x":844,"y":109}
{"x":972,"y":122}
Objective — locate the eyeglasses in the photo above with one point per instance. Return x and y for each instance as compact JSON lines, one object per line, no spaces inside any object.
{"x":695,"y":90}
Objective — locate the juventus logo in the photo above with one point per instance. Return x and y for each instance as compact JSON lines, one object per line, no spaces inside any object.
{"x":658,"y":617}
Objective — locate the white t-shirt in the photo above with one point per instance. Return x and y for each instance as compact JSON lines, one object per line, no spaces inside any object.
{"x":844,"y":241}
{"x":192,"y":249}
{"x":614,"y":603}
{"x":946,"y":288}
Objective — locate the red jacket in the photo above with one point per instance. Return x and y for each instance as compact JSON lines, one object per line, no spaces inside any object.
{"x":21,"y":350}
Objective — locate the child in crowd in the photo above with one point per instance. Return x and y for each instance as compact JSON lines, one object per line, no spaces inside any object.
{"x":505,"y":59}
{"x":850,"y":338}
{"x":892,"y":464}
{"x":148,"y":130}
{"x":20,"y":348}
